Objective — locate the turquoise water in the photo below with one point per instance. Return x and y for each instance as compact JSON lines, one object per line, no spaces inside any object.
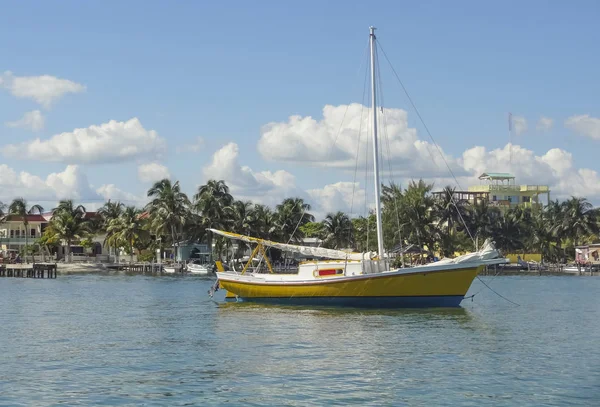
{"x":155,"y":341}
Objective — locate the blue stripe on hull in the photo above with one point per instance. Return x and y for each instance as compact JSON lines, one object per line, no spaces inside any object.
{"x":443,"y":301}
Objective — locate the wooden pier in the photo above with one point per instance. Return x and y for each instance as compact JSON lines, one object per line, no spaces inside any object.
{"x":143,"y":268}
{"x":37,"y":270}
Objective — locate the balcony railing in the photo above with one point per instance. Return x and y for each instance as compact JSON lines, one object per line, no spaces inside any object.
{"x":509,"y":188}
{"x":16,"y":239}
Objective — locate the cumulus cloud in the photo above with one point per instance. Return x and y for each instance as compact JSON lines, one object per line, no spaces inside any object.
{"x":544,"y":124}
{"x":333,"y":141}
{"x":109,"y":142}
{"x":152,"y":172}
{"x":72,"y":183}
{"x":33,"y":120}
{"x":262,"y":187}
{"x":584,"y":125}
{"x":192,"y":147}
{"x":554,"y":168}
{"x":348,"y":197}
{"x":519,"y":124}
{"x":44,"y":89}
{"x":113,"y":193}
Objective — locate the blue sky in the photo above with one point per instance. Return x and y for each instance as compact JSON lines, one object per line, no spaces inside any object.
{"x":223,"y":71}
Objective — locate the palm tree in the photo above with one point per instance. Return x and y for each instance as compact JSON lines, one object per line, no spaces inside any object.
{"x":418,"y":215}
{"x":243,"y":222}
{"x":69,"y":223}
{"x":127,"y":229}
{"x":213,"y":201}
{"x":265,"y":222}
{"x":291,"y":214}
{"x":338,"y":230}
{"x":365,"y":233}
{"x":508,"y":232}
{"x":20,"y":208}
{"x":480,"y":219}
{"x":168,"y":209}
{"x":449,"y":212}
{"x":109,"y":212}
{"x":579,"y":219}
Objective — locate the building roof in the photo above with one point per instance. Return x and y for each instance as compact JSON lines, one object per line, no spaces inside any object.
{"x":30,"y":218}
{"x":496,"y":175}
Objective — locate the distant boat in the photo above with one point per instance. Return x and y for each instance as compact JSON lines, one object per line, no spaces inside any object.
{"x":356,"y":279}
{"x":172,"y":269}
{"x":199,"y":268}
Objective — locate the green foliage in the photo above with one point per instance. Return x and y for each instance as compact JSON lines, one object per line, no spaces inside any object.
{"x":339,"y":233}
{"x":410,"y":216}
{"x":146,"y":256}
{"x":313,"y":229}
{"x":87,"y":243}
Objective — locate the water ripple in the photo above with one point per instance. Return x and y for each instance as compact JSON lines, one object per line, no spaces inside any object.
{"x":134,"y":340}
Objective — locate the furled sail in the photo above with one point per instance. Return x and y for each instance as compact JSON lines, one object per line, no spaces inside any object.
{"x":305,"y":250}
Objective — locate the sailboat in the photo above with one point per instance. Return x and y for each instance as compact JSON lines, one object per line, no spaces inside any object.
{"x":356,"y":279}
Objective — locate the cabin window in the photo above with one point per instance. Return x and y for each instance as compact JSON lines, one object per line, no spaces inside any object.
{"x":494,"y":198}
{"x":526,"y":199}
{"x":32,"y":232}
{"x":12,"y":233}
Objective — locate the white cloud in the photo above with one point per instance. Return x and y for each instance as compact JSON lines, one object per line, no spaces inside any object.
{"x":333,"y":141}
{"x":109,"y":142}
{"x":554,"y":168}
{"x":44,"y":89}
{"x":70,"y":183}
{"x":519,"y":124}
{"x":193,"y":147}
{"x":152,"y":172}
{"x":33,"y":120}
{"x":111,"y":192}
{"x":584,"y":125}
{"x":544,"y":124}
{"x":261,"y":187}
{"x":348,"y":197}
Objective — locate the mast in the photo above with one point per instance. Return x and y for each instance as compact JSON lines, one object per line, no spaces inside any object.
{"x":510,"y":142}
{"x":375,"y":148}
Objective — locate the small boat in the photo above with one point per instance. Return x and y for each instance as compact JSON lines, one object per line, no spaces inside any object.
{"x":345,"y":278}
{"x":168,"y":269}
{"x":173,"y":268}
{"x":199,"y":268}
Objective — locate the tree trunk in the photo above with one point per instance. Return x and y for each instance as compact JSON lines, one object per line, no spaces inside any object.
{"x":68,"y":253}
{"x":131,"y":253}
{"x":26,"y":241}
{"x":209,"y":238}
{"x":174,"y":242}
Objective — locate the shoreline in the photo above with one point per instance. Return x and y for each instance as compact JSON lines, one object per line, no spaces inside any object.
{"x":112,"y":268}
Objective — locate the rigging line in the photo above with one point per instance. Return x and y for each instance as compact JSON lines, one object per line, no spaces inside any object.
{"x":431,"y":137}
{"x":362,"y":107}
{"x":497,"y":293}
{"x":367,"y":149}
{"x":419,"y":115}
{"x":331,"y":148}
{"x":387,"y":139}
{"x":481,"y":289}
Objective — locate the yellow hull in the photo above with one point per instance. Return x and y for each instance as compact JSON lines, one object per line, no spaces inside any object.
{"x":427,"y":288}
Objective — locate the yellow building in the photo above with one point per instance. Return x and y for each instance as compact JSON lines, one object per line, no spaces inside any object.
{"x":502,"y":190}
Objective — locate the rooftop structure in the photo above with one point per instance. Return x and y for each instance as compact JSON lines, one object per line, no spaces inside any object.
{"x":500,"y":189}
